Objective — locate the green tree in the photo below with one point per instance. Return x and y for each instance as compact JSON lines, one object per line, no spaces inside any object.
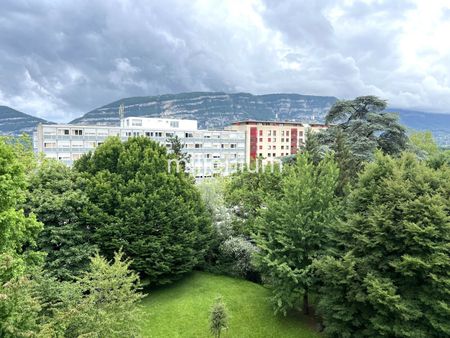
{"x":18,"y":234}
{"x":103,"y":302}
{"x":155,"y":214}
{"x":392,"y":275}
{"x":424,"y":144}
{"x":218,"y":318}
{"x":368,"y":126}
{"x":176,"y":146}
{"x":247,"y":190}
{"x":56,"y":198}
{"x":292,"y":230}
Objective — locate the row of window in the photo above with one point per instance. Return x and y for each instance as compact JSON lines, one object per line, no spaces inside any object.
{"x":115,"y":132}
{"x":274,"y":133}
{"x":274,"y":140}
{"x":273,"y":154}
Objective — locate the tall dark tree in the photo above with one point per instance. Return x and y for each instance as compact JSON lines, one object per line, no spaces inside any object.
{"x":392,"y":275}
{"x":56,"y":198}
{"x":368,"y":126}
{"x":154,"y":214}
{"x":356,"y":129}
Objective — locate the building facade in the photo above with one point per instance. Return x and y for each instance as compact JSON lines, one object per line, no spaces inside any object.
{"x":273,"y":139}
{"x":211,"y":152}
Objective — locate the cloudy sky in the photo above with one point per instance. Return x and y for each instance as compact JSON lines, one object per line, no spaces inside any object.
{"x":60,"y":59}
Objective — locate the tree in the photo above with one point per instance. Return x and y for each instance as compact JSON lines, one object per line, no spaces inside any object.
{"x":145,"y":207}
{"x":18,"y":234}
{"x":218,"y":318}
{"x":103,"y":302}
{"x":391,"y":277}
{"x":176,"y":146}
{"x":247,"y":190}
{"x":424,"y":144}
{"x":56,"y":198}
{"x":292,"y":230}
{"x":368,"y":126}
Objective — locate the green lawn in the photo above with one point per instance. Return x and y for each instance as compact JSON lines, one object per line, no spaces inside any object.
{"x":182,"y":310}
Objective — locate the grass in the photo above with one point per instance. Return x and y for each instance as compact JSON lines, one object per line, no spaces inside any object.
{"x":182,"y":310}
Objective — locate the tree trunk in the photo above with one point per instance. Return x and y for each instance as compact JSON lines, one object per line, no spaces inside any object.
{"x":305,"y":303}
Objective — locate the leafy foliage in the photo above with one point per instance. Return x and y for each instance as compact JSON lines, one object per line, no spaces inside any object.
{"x":156,"y":215}
{"x":247,"y":191}
{"x":231,"y":252}
{"x":392,"y":277}
{"x":56,"y":198}
{"x":101,"y":303}
{"x":292,"y":230}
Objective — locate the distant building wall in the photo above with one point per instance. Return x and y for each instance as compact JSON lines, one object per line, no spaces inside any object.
{"x":212,"y":152}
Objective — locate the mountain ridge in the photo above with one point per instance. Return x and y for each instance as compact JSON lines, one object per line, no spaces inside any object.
{"x":218,"y":109}
{"x":14,"y":122}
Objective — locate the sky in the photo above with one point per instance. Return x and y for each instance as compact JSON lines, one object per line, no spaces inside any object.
{"x":60,"y":59}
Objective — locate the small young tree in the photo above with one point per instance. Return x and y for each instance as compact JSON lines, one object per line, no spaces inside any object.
{"x":218,"y":318}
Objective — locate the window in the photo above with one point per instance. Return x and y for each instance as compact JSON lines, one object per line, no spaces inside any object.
{"x":147,"y":133}
{"x":282,"y":133}
{"x":260,"y":139}
{"x":128,"y":133}
{"x":169,"y":134}
{"x":282,"y":139}
{"x":274,"y":155}
{"x":260,"y":147}
{"x":268,"y":154}
{"x":269,"y":133}
{"x":174,"y":124}
{"x":274,"y":140}
{"x":269,"y":139}
{"x":287,"y":132}
{"x":136,"y":122}
{"x":188,"y":135}
{"x":282,"y":147}
{"x":260,"y":155}
{"x":274,"y":133}
{"x":269,"y":147}
{"x":78,"y":132}
{"x":300,"y":133}
{"x":274,"y":147}
{"x":49,"y":145}
{"x":198,"y":146}
{"x":260,"y":133}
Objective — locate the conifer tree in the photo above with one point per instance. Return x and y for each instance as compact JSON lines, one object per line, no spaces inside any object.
{"x":392,"y":275}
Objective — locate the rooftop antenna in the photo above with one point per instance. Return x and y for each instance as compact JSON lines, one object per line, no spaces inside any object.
{"x":121,"y":112}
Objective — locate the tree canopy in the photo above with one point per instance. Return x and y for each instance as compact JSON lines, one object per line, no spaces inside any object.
{"x":392,"y":277}
{"x":155,"y":215}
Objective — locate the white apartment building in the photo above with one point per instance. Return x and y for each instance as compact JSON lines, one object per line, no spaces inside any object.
{"x":212,"y":152}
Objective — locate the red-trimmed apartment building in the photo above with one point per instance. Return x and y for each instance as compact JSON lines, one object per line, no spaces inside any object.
{"x":273,"y":139}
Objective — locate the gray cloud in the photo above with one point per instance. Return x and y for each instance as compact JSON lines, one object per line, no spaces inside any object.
{"x":60,"y":59}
